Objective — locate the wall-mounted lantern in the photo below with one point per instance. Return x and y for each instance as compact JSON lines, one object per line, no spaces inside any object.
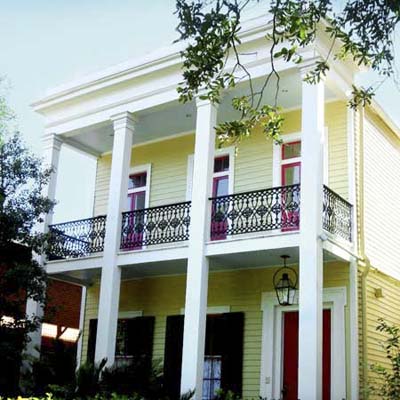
{"x":285,"y":284}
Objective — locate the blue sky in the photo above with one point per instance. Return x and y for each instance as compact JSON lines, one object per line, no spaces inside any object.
{"x":47,"y":42}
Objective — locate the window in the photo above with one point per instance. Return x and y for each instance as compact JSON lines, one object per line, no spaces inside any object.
{"x":137,"y":180}
{"x":137,"y":195}
{"x":221,"y":164}
{"x":211,"y":376}
{"x":121,"y":346}
{"x":220,"y":188}
{"x":291,"y":150}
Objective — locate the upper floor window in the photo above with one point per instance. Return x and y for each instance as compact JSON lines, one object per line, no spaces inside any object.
{"x":291,"y":150}
{"x":221,"y":164}
{"x":137,"y":180}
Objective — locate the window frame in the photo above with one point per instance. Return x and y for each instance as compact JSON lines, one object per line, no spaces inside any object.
{"x":227,"y":151}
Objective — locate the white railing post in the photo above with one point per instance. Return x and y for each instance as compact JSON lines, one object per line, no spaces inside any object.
{"x":111,"y":273}
{"x":311,"y":257}
{"x":197,"y":266}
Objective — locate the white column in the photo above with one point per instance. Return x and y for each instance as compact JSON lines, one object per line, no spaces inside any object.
{"x":311,"y":258}
{"x":81,"y":326}
{"x":51,"y":155}
{"x":111,"y":273}
{"x":197,"y":267}
{"x":353,"y":317}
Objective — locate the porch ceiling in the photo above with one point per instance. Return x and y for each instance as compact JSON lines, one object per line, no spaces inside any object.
{"x":245,"y":260}
{"x":175,"y":118}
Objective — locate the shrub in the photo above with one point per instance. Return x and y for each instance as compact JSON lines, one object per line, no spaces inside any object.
{"x":387,"y":383}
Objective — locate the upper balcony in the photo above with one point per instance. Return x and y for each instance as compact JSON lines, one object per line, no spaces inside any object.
{"x":269,"y":210}
{"x":257,"y":195}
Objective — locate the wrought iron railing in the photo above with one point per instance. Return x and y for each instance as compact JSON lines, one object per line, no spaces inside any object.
{"x":77,"y":238}
{"x":261,"y":210}
{"x":337,"y":215}
{"x":155,"y":225}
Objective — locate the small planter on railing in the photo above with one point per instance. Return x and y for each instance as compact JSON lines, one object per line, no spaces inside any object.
{"x":77,"y":238}
{"x":258,"y":211}
{"x":155,"y":225}
{"x":337,"y":215}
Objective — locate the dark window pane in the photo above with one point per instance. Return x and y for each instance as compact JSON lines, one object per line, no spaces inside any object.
{"x":291,"y":150}
{"x":137,"y":180}
{"x":221,"y":164}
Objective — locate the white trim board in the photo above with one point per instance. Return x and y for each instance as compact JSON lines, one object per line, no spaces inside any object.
{"x":214,"y":310}
{"x":334,"y":299}
{"x":229,"y":151}
{"x":277,"y":157}
{"x":130,"y":314}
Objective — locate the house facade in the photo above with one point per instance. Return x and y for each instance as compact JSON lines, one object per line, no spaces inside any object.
{"x":186,"y":248}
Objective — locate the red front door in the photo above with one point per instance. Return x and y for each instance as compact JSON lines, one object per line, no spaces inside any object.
{"x":291,"y":355}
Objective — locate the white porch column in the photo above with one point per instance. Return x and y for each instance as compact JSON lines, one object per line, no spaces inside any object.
{"x":51,"y":155}
{"x":197,"y":267}
{"x":311,"y":259}
{"x":111,"y":273}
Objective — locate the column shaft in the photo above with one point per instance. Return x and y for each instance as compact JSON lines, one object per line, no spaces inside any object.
{"x":111,"y":273}
{"x":311,"y":259}
{"x":197,"y":268}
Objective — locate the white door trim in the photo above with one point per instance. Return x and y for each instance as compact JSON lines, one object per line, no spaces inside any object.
{"x":277,"y":157}
{"x":227,"y":151}
{"x":137,"y":169}
{"x":334,"y":299}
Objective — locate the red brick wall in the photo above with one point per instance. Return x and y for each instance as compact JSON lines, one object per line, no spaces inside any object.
{"x":63,"y":304}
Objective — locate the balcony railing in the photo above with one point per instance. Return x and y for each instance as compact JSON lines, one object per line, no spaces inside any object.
{"x":337,"y":215}
{"x":155,"y":225}
{"x":242,"y":213}
{"x":275,"y":209}
{"x":258,"y":211}
{"x":77,"y":238}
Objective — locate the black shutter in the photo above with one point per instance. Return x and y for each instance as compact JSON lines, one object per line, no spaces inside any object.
{"x":92,"y":340}
{"x":173,"y":355}
{"x":140,"y":337}
{"x":232,"y":352}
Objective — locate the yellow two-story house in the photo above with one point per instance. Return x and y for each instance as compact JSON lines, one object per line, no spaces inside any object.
{"x":260,"y":268}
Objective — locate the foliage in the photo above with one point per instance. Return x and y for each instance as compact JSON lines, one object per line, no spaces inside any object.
{"x":22,"y":207}
{"x":387,"y":384}
{"x":140,"y":376}
{"x":361,"y":30}
{"x":56,"y":366}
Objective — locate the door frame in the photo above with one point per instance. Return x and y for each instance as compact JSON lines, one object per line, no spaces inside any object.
{"x":277,"y":157}
{"x":226,"y":151}
{"x":137,"y":169}
{"x":271,"y":371}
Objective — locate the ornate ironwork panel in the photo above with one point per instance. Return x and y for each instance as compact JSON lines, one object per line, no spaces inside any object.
{"x":77,"y":238}
{"x":155,"y":225}
{"x":262,"y":210}
{"x":337,"y":215}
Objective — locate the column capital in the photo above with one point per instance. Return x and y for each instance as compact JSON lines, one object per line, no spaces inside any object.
{"x":51,"y":141}
{"x":124,"y":119}
{"x":308,"y":66}
{"x":204,"y":102}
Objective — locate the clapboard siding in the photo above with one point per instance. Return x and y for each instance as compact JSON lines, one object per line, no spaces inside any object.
{"x":381,"y":196}
{"x":253,"y":162}
{"x":385,"y":307}
{"x":241,"y":290}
